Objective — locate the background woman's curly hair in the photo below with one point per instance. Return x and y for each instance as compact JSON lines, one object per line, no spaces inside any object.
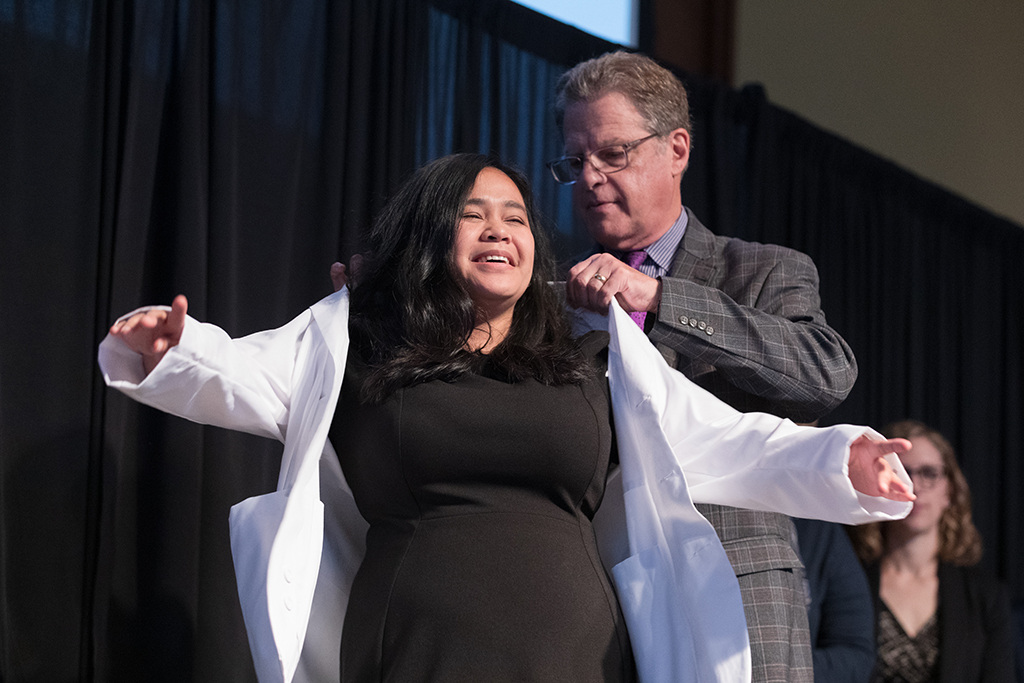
{"x":959,"y":540}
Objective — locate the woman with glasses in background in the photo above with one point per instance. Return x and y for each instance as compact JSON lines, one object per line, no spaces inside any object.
{"x":938,"y":617}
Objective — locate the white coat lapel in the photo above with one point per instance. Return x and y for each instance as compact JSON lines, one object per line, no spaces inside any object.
{"x":277,"y":538}
{"x":677,"y":589}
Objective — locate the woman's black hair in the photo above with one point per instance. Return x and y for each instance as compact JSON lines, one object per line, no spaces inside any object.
{"x":411,"y":315}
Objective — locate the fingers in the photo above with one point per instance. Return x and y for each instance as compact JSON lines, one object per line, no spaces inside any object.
{"x":576,"y":285}
{"x":593,"y":283}
{"x":891,"y":486}
{"x":872,"y":474}
{"x":155,"y":330}
{"x":144,"y":320}
{"x":892,"y":446}
{"x":355,"y":266}
{"x":176,"y":318}
{"x":898,"y":490}
{"x":174,"y":325}
{"x":586,"y":286}
{"x":880,"y":447}
{"x":341,"y":276}
{"x":338,"y":276}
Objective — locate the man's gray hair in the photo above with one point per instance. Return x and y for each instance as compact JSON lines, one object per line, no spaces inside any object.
{"x":656,"y":93}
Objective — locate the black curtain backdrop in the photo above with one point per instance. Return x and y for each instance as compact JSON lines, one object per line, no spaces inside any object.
{"x":232,"y":151}
{"x":228,"y":151}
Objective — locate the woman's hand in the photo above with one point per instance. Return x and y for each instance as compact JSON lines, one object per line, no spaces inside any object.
{"x":151,"y":333}
{"x":871,"y":474}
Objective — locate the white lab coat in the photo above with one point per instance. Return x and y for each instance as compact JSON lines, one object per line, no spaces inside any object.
{"x":677,"y":445}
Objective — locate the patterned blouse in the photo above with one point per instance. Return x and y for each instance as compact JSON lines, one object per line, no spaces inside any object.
{"x":902,"y":659}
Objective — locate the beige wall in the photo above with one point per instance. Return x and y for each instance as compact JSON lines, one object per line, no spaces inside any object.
{"x":935,"y":85}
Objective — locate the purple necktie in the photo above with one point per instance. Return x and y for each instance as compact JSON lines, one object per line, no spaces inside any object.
{"x":633,"y":260}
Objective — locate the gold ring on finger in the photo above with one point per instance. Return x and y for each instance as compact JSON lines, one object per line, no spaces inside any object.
{"x":600,"y":278}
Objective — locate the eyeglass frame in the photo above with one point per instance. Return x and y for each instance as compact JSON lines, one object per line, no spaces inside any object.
{"x":926,"y":481}
{"x":584,"y":158}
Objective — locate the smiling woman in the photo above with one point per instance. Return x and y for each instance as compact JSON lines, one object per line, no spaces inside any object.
{"x":476,"y":446}
{"x":424,"y":251}
{"x":494,"y":255}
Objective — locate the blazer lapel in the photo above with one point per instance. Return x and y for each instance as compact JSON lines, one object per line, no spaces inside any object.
{"x":695,"y":258}
{"x":678,"y":592}
{"x":695,"y":261}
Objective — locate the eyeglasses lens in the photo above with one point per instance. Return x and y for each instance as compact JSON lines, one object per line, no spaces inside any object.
{"x":926,"y":475}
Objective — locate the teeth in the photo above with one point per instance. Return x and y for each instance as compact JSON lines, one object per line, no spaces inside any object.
{"x":501,"y":259}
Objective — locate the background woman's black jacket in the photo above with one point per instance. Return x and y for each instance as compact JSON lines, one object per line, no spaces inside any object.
{"x":975,"y":630}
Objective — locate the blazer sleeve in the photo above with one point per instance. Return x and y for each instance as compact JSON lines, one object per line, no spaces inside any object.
{"x":763,"y":329}
{"x":209,"y":378}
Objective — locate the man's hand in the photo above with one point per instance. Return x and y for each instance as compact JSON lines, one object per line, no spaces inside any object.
{"x":341,"y":276}
{"x":151,"y":333}
{"x":338,"y":276}
{"x":871,"y":474}
{"x":592,"y":284}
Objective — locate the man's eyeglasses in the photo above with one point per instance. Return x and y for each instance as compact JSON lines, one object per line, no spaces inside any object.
{"x":567,"y":170}
{"x":925,"y":476}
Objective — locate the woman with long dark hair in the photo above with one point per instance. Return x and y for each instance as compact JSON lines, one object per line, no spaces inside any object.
{"x":409,"y":260}
{"x":503,"y":459}
{"x":475,"y":433}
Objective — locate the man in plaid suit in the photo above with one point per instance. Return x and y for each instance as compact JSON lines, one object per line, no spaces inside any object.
{"x":741,"y":319}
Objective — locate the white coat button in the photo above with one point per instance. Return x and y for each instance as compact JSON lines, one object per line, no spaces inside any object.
{"x":710,"y":330}
{"x":289,"y":574}
{"x":289,"y":602}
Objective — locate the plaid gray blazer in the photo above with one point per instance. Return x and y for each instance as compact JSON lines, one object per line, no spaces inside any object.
{"x":744,"y":321}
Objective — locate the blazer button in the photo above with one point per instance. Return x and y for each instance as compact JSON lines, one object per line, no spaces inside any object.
{"x":702,"y":325}
{"x":693,"y":322}
{"x":684,"y":320}
{"x":710,"y":330}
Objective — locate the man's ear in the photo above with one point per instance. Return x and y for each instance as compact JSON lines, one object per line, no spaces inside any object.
{"x":679,"y":143}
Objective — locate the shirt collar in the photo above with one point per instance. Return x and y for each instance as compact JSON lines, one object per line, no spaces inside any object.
{"x":663,"y":250}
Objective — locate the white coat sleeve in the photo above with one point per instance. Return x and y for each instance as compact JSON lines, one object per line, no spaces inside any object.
{"x":750,"y":460}
{"x":209,"y":378}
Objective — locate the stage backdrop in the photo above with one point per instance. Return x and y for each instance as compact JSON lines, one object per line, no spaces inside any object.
{"x":232,"y":151}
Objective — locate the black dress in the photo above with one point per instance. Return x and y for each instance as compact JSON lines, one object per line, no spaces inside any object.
{"x":481,"y":562}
